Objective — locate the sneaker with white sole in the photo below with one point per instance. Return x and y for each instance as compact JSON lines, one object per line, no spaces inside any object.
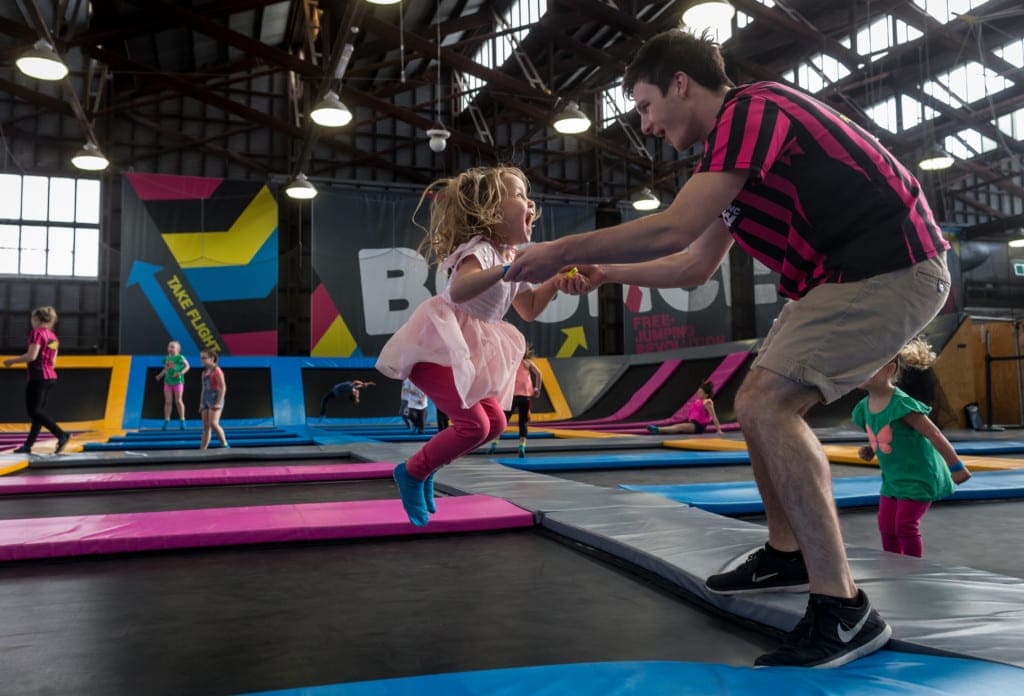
{"x":830,"y":634}
{"x":765,"y":570}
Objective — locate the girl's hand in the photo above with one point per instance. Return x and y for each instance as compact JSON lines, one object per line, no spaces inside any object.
{"x":579,"y":279}
{"x":159,"y":377}
{"x":960,"y":476}
{"x":866,"y":453}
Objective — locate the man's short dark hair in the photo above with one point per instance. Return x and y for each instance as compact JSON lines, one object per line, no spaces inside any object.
{"x":672,"y":51}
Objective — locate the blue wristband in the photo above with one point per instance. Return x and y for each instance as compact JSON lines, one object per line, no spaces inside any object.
{"x":959,"y":466}
{"x":504,"y":269}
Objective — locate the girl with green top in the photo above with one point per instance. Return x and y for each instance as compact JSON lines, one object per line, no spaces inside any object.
{"x":173,"y":376}
{"x":919,"y":465}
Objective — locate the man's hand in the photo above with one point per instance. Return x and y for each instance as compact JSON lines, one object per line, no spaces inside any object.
{"x":579,"y":279}
{"x":535,"y":264}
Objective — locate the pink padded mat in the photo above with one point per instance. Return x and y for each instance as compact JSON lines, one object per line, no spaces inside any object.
{"x":51,"y":537}
{"x":123,"y":480}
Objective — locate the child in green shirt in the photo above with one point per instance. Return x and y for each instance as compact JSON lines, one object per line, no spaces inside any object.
{"x":919,"y":465}
{"x":173,"y":376}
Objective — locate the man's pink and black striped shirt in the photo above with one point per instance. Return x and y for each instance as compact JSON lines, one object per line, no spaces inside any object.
{"x":825,"y":201}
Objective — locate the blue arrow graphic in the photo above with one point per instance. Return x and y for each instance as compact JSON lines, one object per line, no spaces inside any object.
{"x":144,"y":274}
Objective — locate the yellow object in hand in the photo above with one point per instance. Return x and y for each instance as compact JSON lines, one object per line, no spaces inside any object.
{"x":572,"y":272}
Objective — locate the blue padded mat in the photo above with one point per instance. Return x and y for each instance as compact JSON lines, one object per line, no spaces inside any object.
{"x":628,"y":461}
{"x":989,"y":447}
{"x":741,"y":497}
{"x":884,"y":672}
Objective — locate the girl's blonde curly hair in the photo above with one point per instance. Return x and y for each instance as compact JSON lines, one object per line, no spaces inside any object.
{"x":464,"y":206}
{"x":917,"y":355}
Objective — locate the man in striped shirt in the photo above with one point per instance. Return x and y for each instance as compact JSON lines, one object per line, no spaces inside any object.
{"x":816,"y":198}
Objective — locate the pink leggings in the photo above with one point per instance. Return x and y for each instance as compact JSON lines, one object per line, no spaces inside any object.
{"x":899,"y":521}
{"x":470,"y":427}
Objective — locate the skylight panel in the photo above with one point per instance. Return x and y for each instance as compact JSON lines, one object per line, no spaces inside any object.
{"x":973,"y":81}
{"x":819,"y":71}
{"x":947,"y":10}
{"x":613,"y":103}
{"x":1012,"y":53}
{"x":494,"y":52}
{"x":914,"y":112}
{"x":968,"y":143}
{"x":884,"y":114}
{"x":1012,"y":124}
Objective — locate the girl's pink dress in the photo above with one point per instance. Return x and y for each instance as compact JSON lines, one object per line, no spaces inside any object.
{"x":483,"y":350}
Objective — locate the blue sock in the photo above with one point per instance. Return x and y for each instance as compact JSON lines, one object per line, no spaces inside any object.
{"x":428,"y":493}
{"x":411,"y":491}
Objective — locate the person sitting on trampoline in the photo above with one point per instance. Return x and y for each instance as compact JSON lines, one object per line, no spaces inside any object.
{"x":698,"y":417}
{"x":918,"y":463}
{"x":351,"y":388}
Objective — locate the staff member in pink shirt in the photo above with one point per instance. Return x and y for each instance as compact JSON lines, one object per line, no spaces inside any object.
{"x":41,"y":358}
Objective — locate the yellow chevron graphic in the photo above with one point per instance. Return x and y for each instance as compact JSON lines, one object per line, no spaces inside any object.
{"x":236,"y":246}
{"x":337,"y":341}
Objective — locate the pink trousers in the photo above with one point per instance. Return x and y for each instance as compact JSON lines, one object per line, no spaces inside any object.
{"x":899,"y":522}
{"x":470,"y":427}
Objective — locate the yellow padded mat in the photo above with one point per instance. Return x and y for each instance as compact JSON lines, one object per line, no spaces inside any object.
{"x":840,"y":454}
{"x":578,"y":433}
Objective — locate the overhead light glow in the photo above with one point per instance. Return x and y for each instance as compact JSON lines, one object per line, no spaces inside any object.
{"x":571,"y":120}
{"x":90,"y":159}
{"x":300,"y":188}
{"x":42,"y":62}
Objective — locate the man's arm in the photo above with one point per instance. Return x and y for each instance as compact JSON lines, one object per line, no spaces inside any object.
{"x":687,"y":269}
{"x":670,"y":231}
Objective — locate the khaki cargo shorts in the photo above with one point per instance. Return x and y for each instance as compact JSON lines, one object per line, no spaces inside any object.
{"x":839,"y":334}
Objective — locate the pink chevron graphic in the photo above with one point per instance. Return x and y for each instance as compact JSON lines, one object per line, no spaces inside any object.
{"x":321,"y":313}
{"x":167,"y":187}
{"x":251,"y":343}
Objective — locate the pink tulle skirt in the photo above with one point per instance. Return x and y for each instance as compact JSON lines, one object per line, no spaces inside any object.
{"x":483,"y":355}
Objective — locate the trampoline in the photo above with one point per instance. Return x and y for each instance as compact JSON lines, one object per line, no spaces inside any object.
{"x":592,"y":584}
{"x":237,"y":619}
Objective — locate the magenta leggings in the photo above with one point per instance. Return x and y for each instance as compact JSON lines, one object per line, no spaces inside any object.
{"x":899,"y":521}
{"x":470,"y":427}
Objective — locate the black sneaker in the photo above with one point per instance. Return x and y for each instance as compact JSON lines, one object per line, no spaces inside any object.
{"x":62,"y":442}
{"x":22,"y":450}
{"x":831,"y":634}
{"x":763,"y":571}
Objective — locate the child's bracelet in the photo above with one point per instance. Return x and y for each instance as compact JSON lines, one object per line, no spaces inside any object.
{"x":959,"y":466}
{"x":504,"y":269}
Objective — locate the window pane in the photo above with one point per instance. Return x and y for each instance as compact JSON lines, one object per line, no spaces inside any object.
{"x":59,"y":262}
{"x":34,"y":197}
{"x":9,"y":236}
{"x":33,"y":237}
{"x":62,"y":239}
{"x":87,"y":252}
{"x":10,"y":196}
{"x":33,"y":262}
{"x":88,"y":201}
{"x":8,"y":261}
{"x":62,"y":200}
{"x":60,"y":256}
